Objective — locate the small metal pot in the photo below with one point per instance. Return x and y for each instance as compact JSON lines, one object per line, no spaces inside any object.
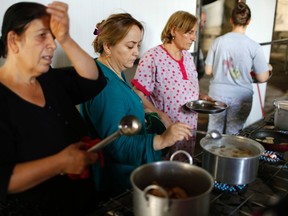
{"x":281,"y":114}
{"x":196,"y":181}
{"x":235,"y":168}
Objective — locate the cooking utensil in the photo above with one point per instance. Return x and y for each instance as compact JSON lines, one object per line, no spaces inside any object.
{"x":129,"y":125}
{"x":194,"y":180}
{"x":208,"y":107}
{"x":280,"y":139}
{"x":281,"y":114}
{"x":214,"y":134}
{"x":231,"y":159}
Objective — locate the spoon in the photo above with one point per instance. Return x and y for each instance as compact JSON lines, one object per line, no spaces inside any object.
{"x":214,"y":134}
{"x":129,"y":125}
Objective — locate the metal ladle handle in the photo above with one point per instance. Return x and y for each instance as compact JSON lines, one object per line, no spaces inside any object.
{"x":200,"y":132}
{"x":214,"y":134}
{"x":129,"y":125}
{"x":105,"y":142}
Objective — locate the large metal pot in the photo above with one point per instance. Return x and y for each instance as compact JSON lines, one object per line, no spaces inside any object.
{"x":231,"y":159}
{"x":195,"y":181}
{"x":281,"y":114}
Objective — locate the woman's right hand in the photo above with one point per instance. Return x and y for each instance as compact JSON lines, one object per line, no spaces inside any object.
{"x":71,"y":160}
{"x":75,"y":160}
{"x":174,"y":133}
{"x":59,"y":22}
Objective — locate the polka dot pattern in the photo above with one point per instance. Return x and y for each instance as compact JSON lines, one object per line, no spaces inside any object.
{"x":171,"y":84}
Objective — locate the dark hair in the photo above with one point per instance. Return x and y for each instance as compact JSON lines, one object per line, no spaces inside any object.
{"x":241,"y":14}
{"x":16,"y":19}
{"x":182,"y":20}
{"x":113,"y":29}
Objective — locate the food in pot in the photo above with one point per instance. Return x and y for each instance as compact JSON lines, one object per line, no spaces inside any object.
{"x":228,"y":150}
{"x":173,"y":192}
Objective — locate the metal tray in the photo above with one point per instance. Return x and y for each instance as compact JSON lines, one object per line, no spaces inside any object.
{"x":208,"y":107}
{"x":280,"y":141}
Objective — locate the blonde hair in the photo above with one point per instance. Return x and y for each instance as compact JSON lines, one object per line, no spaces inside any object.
{"x":182,"y":20}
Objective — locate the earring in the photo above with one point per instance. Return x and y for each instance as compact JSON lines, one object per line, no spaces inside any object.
{"x":173,"y":37}
{"x":108,"y":54}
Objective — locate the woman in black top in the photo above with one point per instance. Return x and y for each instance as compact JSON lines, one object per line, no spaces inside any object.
{"x":40,"y":127}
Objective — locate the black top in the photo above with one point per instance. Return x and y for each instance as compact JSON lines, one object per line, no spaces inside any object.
{"x":29,"y":132}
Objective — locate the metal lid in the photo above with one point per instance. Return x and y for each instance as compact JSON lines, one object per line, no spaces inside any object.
{"x":281,"y":104}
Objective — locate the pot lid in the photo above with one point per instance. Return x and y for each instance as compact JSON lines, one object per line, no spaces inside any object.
{"x":281,"y":104}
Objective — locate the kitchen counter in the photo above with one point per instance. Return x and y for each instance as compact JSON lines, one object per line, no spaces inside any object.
{"x":270,"y":187}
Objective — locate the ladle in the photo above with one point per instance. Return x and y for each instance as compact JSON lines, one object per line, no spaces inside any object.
{"x":129,"y":125}
{"x":214,"y":134}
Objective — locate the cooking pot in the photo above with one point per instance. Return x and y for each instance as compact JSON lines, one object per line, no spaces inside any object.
{"x":231,"y":159}
{"x":194,"y":180}
{"x":281,"y":114}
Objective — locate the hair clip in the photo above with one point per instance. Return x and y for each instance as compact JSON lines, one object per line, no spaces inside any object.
{"x":96,"y":31}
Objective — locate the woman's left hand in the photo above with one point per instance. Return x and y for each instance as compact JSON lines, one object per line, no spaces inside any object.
{"x":206,"y":97}
{"x":175,"y":132}
{"x":59,"y":22}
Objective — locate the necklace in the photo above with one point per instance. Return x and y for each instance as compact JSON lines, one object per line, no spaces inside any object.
{"x":107,"y":63}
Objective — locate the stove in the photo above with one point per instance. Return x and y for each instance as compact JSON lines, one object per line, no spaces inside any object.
{"x":269,"y":188}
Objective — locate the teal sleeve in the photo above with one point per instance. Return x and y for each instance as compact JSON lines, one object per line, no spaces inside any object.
{"x":105,"y":112}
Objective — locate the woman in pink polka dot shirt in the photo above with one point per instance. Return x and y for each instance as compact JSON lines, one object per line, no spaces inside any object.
{"x":166,"y":76}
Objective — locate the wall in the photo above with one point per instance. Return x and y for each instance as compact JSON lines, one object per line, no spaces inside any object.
{"x":86,"y":13}
{"x":281,"y":23}
{"x":260,"y":29}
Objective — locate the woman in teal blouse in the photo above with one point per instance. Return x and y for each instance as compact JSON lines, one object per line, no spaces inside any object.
{"x":117,"y":41}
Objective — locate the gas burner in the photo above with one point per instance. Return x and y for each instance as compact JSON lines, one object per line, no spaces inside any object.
{"x":271,"y":157}
{"x":228,"y":188}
